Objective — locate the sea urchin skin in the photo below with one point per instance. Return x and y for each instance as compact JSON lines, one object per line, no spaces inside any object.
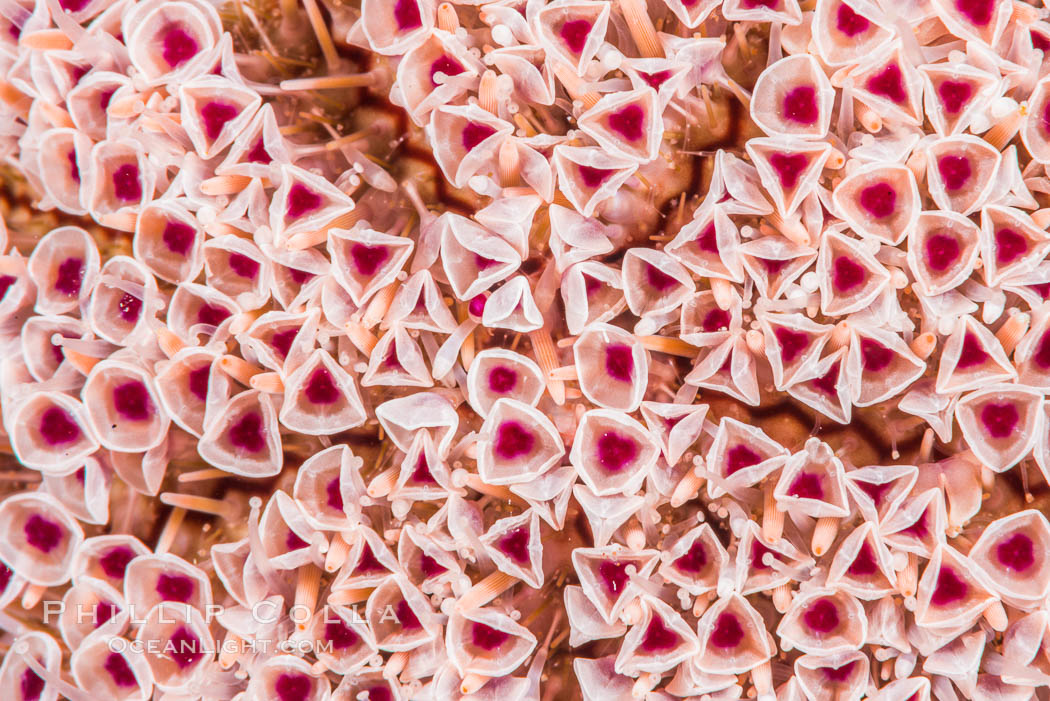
{"x":524,"y":349}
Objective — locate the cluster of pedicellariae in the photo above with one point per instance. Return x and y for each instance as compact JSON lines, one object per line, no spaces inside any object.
{"x":534,"y":448}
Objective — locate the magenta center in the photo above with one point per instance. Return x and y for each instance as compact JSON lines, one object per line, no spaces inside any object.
{"x":210,"y":315}
{"x":446,"y":65}
{"x":1009,"y":246}
{"x":839,"y":674}
{"x":792,"y":343}
{"x":864,"y":563}
{"x":800,"y":105}
{"x":502,"y":379}
{"x":177,"y":46}
{"x":950,"y":588}
{"x":888,"y":83}
{"x":368,"y":259}
{"x":758,"y":554}
{"x":259,"y":154}
{"x":972,"y":354}
{"x":292,"y":541}
{"x":407,"y":617}
{"x":126,"y":185}
{"x":878,"y":200}
{"x":614,"y":577}
{"x":942,"y":252}
{"x":281,"y":341}
{"x":74,"y":169}
{"x":619,"y":362}
{"x":728,"y":633}
{"x":175,"y":587}
{"x":247,"y":433}
{"x":129,"y":307}
{"x":430,"y":567}
{"x":115,"y":561}
{"x":628,"y":122}
{"x":243,"y":266}
{"x":740,"y":456}
{"x":178,"y":237}
{"x":5,"y":284}
{"x":875,"y":357}
{"x":1016,"y":552}
{"x":715,"y":320}
{"x":486,"y":637}
{"x":186,"y":649}
{"x":293,"y":687}
{"x":406,"y":15}
{"x":874,"y":490}
{"x":707,"y":241}
{"x":69,"y":276}
{"x":513,"y":440}
{"x":198,"y":382}
{"x":574,"y":33}
{"x":822,"y":616}
{"x":302,"y":200}
{"x":788,"y":167}
{"x":593,"y":285}
{"x":658,"y":279}
{"x":849,"y":22}
{"x":43,"y":534}
{"x":474,"y":133}
{"x":955,"y":171}
{"x":340,"y":634}
{"x":131,"y":400}
{"x":920,"y":529}
{"x":31,"y":686}
{"x":119,"y":671}
{"x":321,"y":388}
{"x":57,"y":353}
{"x":654,"y":80}
{"x":694,"y":560}
{"x":593,"y":177}
{"x":847,"y":274}
{"x":616,"y":452}
{"x":1042,"y":352}
{"x":334,"y":495}
{"x":1000,"y":420}
{"x":368,"y":562}
{"x":214,"y":117}
{"x":515,"y":545}
{"x":772,"y":266}
{"x":383,"y":693}
{"x":807,"y":485}
{"x":658,"y":637}
{"x":828,"y":383}
{"x":422,"y":474}
{"x":57,"y":427}
{"x":954,"y":95}
{"x":979,"y":12}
